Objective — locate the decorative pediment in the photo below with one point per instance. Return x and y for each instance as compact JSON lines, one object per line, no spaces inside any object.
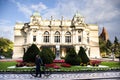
{"x":35,"y":21}
{"x":36,"y":18}
{"x":77,"y":20}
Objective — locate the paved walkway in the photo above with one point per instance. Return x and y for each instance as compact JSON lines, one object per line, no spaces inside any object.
{"x":65,"y":76}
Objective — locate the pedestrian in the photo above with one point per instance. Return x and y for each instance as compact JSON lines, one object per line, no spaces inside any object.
{"x":38,"y":62}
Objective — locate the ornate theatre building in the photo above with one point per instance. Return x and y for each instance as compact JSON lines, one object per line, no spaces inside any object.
{"x":56,"y":34}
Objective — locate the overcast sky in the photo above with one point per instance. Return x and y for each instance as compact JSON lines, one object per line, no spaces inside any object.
{"x":105,"y":13}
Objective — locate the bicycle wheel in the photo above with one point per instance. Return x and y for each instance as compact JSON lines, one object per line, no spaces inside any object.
{"x":47,"y":71}
{"x":33,"y":72}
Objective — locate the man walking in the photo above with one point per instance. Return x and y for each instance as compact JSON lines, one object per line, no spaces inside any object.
{"x":38,"y":62}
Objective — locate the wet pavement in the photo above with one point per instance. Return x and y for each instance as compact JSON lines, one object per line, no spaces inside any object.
{"x":65,"y":76}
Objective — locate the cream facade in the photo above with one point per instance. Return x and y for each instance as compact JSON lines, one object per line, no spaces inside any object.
{"x":59,"y":35}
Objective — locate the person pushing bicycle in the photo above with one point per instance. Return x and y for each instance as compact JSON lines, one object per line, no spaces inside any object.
{"x":38,"y":62}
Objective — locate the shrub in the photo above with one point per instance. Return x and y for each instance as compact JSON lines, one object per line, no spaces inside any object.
{"x":72,"y":58}
{"x":82,"y":55}
{"x":30,"y":54}
{"x":21,"y":64}
{"x":46,"y":55}
{"x":51,"y":53}
{"x":30,"y":64}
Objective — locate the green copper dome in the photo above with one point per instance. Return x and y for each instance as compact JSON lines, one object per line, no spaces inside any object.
{"x":36,"y":13}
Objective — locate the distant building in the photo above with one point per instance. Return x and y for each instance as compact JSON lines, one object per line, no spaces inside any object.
{"x":104,"y":35}
{"x":56,"y":34}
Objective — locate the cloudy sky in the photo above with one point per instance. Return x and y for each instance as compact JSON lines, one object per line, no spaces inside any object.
{"x":105,"y":13}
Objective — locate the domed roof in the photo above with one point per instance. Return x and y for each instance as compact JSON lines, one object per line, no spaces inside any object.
{"x":36,"y":13}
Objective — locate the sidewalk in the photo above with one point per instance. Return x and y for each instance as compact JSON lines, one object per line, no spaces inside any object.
{"x":64,"y":76}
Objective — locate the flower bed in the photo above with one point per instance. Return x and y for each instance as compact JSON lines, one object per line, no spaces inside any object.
{"x":95,"y":62}
{"x":56,"y":67}
{"x":19,"y":61}
{"x":50,"y":65}
{"x":53,"y":65}
{"x":59,"y":61}
{"x":21,"y":64}
{"x":65,"y":65}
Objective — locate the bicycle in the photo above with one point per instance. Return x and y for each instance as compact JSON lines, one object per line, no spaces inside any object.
{"x":44,"y":70}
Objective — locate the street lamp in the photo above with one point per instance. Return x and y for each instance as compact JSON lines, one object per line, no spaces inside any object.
{"x":113,"y":54}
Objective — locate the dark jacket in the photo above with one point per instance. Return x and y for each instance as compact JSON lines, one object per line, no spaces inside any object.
{"x":38,"y":61}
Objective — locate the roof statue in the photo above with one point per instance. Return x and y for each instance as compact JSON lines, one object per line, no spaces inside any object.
{"x":78,"y":14}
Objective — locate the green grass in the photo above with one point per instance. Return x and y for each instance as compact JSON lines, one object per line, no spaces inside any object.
{"x":4,"y":65}
{"x":111,"y":64}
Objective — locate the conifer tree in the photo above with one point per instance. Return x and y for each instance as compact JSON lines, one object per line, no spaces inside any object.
{"x":47,"y":55}
{"x":116,"y":46}
{"x":82,"y":55}
{"x":72,"y":57}
{"x":30,"y":54}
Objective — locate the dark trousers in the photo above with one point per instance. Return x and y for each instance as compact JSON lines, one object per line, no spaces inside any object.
{"x":38,"y":71}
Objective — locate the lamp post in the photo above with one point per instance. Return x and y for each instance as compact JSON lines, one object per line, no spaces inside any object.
{"x":113,"y":54}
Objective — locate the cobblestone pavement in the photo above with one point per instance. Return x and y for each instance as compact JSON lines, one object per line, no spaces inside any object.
{"x":65,"y":76}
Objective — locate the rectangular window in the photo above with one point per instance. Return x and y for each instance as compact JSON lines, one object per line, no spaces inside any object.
{"x":79,"y":38}
{"x":34,"y":38}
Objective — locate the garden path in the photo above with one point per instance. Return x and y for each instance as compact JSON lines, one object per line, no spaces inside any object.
{"x":65,"y":76}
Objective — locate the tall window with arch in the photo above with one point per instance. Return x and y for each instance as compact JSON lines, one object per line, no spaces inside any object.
{"x":46,"y":37}
{"x":68,"y":37}
{"x":57,"y":37}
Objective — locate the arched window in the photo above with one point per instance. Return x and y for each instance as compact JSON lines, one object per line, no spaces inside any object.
{"x":46,"y":36}
{"x":68,"y":37}
{"x":57,"y":37}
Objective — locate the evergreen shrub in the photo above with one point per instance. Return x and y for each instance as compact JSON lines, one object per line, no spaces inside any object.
{"x":47,"y":55}
{"x":83,"y":56}
{"x":71,"y":57}
{"x":30,"y":54}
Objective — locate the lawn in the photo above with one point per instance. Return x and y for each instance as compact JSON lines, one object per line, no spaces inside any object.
{"x":4,"y":65}
{"x":111,"y":65}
